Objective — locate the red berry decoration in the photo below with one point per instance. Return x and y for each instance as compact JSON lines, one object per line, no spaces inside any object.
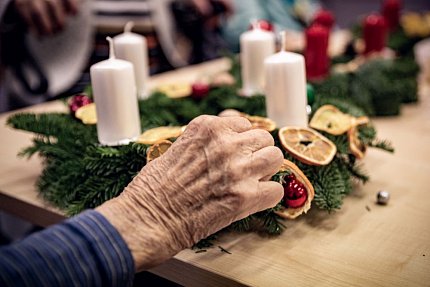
{"x":199,"y":90}
{"x":295,"y":193}
{"x":78,"y":101}
{"x":263,"y":25}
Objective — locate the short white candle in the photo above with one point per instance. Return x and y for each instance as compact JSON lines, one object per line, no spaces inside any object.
{"x":132,"y":47}
{"x":114,"y":90}
{"x":255,"y":46}
{"x":286,"y":97}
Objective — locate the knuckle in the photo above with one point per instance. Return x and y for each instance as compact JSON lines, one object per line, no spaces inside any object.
{"x":266,"y":137}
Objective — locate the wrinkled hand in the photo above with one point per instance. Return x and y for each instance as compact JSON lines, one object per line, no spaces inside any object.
{"x":214,"y":174}
{"x":46,"y":17}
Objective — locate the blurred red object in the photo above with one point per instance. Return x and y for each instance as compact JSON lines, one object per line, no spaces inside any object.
{"x":316,"y":57}
{"x":391,"y":12}
{"x":262,"y":24}
{"x":324,"y":18}
{"x":374,"y":33}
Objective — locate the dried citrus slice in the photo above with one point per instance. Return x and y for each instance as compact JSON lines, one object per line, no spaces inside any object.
{"x":293,"y":205}
{"x":330,"y":119}
{"x":157,"y":149}
{"x":357,"y":147}
{"x":87,"y":114}
{"x":307,"y":145}
{"x":154,"y":135}
{"x":258,"y":122}
{"x":176,"y":90}
{"x":360,"y":121}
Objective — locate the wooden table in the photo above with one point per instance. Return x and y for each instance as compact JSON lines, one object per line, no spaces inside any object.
{"x":364,"y":244}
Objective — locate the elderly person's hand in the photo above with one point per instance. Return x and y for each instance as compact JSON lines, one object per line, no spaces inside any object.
{"x":46,"y":17}
{"x":214,"y":174}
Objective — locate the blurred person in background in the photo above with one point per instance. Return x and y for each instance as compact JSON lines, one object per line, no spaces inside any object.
{"x":44,"y":46}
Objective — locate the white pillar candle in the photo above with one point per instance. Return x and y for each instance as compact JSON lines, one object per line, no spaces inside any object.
{"x":286,"y":97}
{"x":255,"y":46}
{"x":132,"y":47}
{"x":114,"y":90}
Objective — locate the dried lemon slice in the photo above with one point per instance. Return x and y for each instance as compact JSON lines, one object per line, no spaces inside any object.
{"x":176,"y":90}
{"x":157,"y":149}
{"x":154,"y":135}
{"x":289,"y":211}
{"x":258,"y":122}
{"x":330,"y":119}
{"x":307,"y":145}
{"x":87,"y":114}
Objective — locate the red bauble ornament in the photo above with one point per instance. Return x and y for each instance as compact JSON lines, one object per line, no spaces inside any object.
{"x":263,"y":25}
{"x":199,"y":90}
{"x":295,"y":193}
{"x":324,"y":18}
{"x":78,"y":101}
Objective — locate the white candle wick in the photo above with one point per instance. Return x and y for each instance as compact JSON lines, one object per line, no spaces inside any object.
{"x":128,"y":27}
{"x":111,"y":50}
{"x":283,"y":36}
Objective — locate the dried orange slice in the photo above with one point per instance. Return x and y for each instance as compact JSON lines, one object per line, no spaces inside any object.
{"x":292,"y":211}
{"x":223,"y":79}
{"x":258,"y":122}
{"x":176,"y":90}
{"x":330,"y":119}
{"x":307,"y":145}
{"x":360,"y":121}
{"x":357,"y":147}
{"x":154,"y":135}
{"x":157,"y":149}
{"x":87,"y":114}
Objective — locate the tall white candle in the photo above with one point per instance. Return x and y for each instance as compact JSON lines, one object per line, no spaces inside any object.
{"x":132,"y":47}
{"x":255,"y":46}
{"x":286,"y":97}
{"x":114,"y":90}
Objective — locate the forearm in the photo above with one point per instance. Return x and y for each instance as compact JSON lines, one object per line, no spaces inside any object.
{"x":83,"y":251}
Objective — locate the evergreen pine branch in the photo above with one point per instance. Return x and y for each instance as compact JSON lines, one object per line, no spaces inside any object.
{"x":358,"y":173}
{"x":58,"y":125}
{"x":382,"y":144}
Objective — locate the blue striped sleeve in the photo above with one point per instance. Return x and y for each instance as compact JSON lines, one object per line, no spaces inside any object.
{"x":85,"y":250}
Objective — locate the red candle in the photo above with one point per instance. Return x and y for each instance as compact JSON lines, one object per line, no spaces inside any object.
{"x":391,"y":12}
{"x":374,"y":33}
{"x":316,"y":56}
{"x":324,"y":18}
